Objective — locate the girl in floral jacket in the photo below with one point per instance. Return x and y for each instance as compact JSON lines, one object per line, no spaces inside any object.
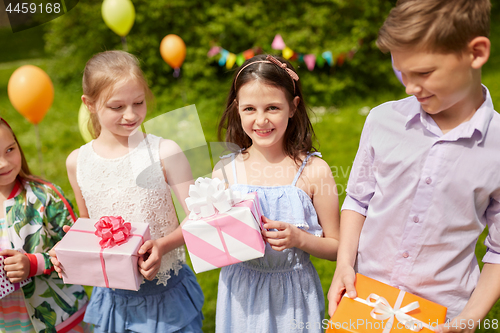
{"x":31,"y":220}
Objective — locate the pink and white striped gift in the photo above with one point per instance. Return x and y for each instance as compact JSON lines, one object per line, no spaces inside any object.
{"x":226,"y":238}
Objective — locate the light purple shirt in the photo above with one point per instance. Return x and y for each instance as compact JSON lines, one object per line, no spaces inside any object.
{"x":427,"y":196}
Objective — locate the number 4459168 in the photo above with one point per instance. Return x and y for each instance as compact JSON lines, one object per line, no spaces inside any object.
{"x":34,"y":8}
{"x":463,"y":324}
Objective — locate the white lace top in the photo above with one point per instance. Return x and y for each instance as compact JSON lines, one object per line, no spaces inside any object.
{"x":132,"y":186}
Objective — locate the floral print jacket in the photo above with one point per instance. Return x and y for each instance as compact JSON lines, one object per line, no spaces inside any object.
{"x":34,"y":220}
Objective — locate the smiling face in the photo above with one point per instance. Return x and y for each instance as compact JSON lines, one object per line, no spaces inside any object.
{"x":442,"y":83}
{"x":10,"y":159}
{"x":124,"y":111}
{"x":264,"y":111}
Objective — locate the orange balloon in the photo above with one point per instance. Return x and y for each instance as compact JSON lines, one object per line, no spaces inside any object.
{"x":31,"y":92}
{"x":173,"y":50}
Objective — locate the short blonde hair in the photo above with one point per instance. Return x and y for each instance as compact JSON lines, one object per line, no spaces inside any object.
{"x":444,"y":26}
{"x":102,"y":72}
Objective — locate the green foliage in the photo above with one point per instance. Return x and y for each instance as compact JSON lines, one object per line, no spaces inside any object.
{"x":307,"y":27}
{"x":46,"y":315}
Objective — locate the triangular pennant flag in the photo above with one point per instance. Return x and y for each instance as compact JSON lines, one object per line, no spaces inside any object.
{"x":310,"y":60}
{"x":327,"y":55}
{"x":240,"y":59}
{"x":231,"y":59}
{"x":320,"y":62}
{"x":340,"y":59}
{"x":278,"y":43}
{"x":248,"y":54}
{"x":287,"y":53}
{"x":213,"y":51}
{"x":223,"y":58}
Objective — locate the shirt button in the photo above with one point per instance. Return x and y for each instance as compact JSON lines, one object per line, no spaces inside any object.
{"x":416,"y":219}
{"x":428,"y":180}
{"x":406,"y":254}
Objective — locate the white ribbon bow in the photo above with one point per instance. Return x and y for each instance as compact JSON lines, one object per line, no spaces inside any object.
{"x":382,"y":310}
{"x":207,"y":195}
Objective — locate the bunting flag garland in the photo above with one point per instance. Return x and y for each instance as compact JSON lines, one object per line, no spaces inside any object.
{"x":229,"y":59}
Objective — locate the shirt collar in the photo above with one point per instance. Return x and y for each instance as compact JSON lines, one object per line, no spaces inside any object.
{"x":479,"y":121}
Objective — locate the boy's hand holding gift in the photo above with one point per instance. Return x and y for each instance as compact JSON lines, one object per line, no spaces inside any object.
{"x":223,"y":228}
{"x":379,"y":307}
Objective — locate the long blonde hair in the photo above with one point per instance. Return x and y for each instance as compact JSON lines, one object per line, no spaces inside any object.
{"x":101,"y":74}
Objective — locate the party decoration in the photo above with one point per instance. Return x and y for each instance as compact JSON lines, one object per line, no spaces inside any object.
{"x":31,"y":92}
{"x":119,"y":15}
{"x":224,"y":55}
{"x":231,"y":59}
{"x":173,"y":51}
{"x":287,"y":53}
{"x":341,"y":59}
{"x":248,"y":54}
{"x":320,"y":61}
{"x":112,"y":230}
{"x":213,"y":51}
{"x":83,"y":119}
{"x":327,"y":55}
{"x":311,"y":60}
{"x":278,"y":43}
{"x":240,"y":59}
{"x":208,"y":196}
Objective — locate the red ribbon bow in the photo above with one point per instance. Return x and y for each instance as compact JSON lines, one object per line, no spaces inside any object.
{"x":112,"y":230}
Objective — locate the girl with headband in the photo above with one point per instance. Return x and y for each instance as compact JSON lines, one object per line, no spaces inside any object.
{"x":267,"y":118}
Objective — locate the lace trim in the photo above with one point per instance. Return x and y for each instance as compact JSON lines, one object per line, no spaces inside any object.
{"x":132,"y":186}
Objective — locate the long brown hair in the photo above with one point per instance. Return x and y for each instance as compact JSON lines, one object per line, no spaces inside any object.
{"x":25,"y":172}
{"x":299,"y":134}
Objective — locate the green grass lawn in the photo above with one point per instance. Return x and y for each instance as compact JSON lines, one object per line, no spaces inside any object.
{"x":337,"y":129}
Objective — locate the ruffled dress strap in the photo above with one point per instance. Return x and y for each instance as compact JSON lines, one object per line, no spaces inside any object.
{"x":233,"y":165}
{"x":316,"y":153}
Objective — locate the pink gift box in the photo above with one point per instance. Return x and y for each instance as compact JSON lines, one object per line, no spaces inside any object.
{"x":7,"y":287}
{"x":84,"y":262}
{"x":226,"y":238}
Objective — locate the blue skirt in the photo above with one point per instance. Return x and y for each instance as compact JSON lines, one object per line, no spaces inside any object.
{"x":175,"y":307}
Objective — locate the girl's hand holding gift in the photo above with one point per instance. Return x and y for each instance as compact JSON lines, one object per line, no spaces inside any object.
{"x":286,"y":235}
{"x":150,"y":259}
{"x":53,"y":257}
{"x":17,"y":265}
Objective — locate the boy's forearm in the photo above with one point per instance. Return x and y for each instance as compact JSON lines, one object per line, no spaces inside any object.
{"x":485,"y":295}
{"x":351,"y":224}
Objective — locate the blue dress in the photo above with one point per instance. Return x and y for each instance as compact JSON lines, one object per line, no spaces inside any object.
{"x":280,"y":292}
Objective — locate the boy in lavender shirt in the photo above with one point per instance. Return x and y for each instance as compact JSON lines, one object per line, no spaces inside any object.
{"x":426,"y":178}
